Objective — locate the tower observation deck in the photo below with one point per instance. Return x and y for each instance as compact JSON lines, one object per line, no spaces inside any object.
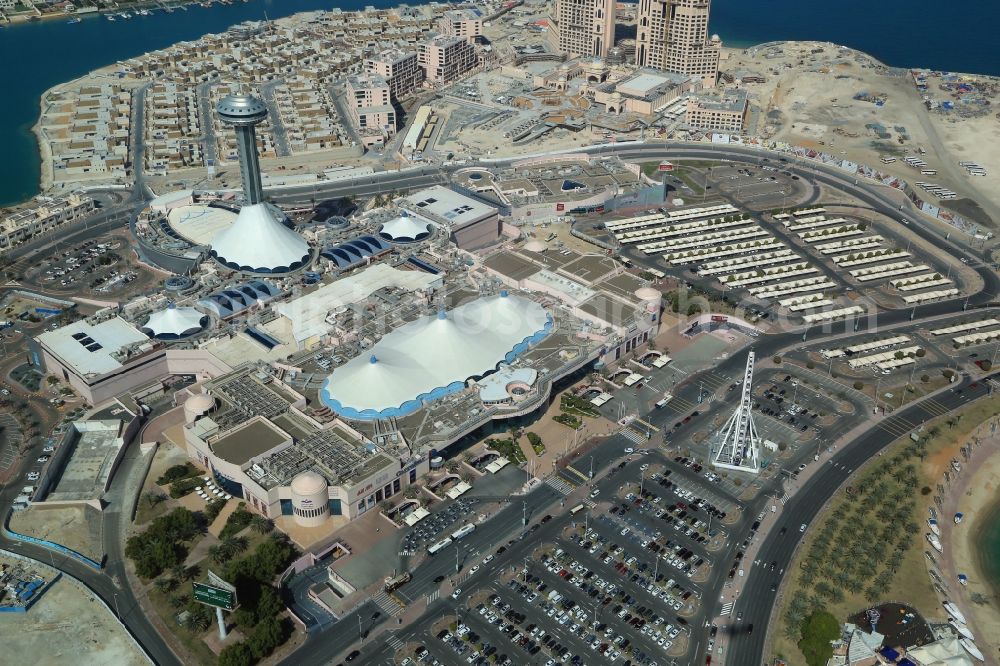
{"x":244,"y":113}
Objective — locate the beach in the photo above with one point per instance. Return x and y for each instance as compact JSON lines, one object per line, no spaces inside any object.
{"x":976,"y":494}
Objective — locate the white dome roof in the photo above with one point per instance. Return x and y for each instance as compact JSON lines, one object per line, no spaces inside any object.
{"x":535,"y":245}
{"x":648,"y":294}
{"x":174,"y":322}
{"x":200,"y":403}
{"x":405,"y":228}
{"x":259,"y":242}
{"x":308,"y":483}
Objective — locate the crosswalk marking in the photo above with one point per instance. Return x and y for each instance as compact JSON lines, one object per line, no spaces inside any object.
{"x":433,"y":596}
{"x":727,"y":608}
{"x":387,"y":604}
{"x":935,"y":407}
{"x":632,"y":435}
{"x":394,"y":642}
{"x":559,"y":485}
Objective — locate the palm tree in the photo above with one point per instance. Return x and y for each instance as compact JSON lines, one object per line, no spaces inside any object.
{"x":164,"y":584}
{"x":235,"y":545}
{"x":217,"y":553}
{"x":261,"y":524}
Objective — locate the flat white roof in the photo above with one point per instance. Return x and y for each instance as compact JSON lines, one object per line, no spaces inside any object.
{"x":641,"y":85}
{"x":448,"y":206}
{"x":88,"y":349}
{"x":308,"y":313}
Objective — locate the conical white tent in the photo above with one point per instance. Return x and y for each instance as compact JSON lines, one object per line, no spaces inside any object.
{"x":174,"y":322}
{"x":434,"y":356}
{"x":259,"y":242}
{"x":405,"y":229}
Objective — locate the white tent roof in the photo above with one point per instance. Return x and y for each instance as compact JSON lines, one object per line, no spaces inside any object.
{"x":405,"y":228}
{"x":258,"y":241}
{"x":433,"y":356}
{"x":944,"y":652}
{"x":174,"y":321}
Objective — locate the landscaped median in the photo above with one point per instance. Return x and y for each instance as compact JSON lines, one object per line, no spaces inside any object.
{"x":865,"y":547}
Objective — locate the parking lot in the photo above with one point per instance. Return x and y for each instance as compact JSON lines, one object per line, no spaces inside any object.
{"x":435,"y":526}
{"x":763,"y":185}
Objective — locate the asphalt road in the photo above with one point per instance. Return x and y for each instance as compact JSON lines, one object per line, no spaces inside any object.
{"x":757,"y":599}
{"x":319,"y":648}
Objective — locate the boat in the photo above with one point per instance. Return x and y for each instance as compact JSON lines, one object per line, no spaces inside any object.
{"x":958,"y":518}
{"x":971,"y":648}
{"x":110,"y":17}
{"x":962,"y":629}
{"x":934,"y":526}
{"x":954,"y":612}
{"x":125,"y":15}
{"x":934,"y":541}
{"x":74,"y":20}
{"x":963,"y":579}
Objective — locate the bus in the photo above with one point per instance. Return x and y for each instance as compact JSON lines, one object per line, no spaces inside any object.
{"x":888,"y":160}
{"x":576,"y":509}
{"x":463,"y":531}
{"x":436,"y":548}
{"x":928,"y":172}
{"x":657,"y":273}
{"x":625,"y":261}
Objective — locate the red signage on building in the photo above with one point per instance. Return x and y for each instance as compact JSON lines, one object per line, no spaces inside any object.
{"x":560,"y":207}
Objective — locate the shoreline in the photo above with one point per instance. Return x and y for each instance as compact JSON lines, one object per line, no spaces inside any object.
{"x":46,"y":178}
{"x":977,"y":497}
{"x":157,"y":7}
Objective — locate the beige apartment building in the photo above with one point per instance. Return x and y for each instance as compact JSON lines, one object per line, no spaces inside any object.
{"x":466,"y":23}
{"x":444,"y":59}
{"x":672,"y":35}
{"x":584,"y":27}
{"x":369,"y":103}
{"x":727,"y":113}
{"x":401,"y":68}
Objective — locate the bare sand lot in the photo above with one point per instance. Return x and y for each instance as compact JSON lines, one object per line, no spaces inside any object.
{"x":842,"y":101}
{"x":67,"y":626}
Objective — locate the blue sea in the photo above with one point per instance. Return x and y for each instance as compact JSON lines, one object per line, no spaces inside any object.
{"x":36,"y":56}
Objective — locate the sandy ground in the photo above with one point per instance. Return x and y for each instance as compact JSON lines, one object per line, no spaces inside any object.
{"x":975,"y":495}
{"x":75,"y":527}
{"x":67,"y":626}
{"x":807,"y":99}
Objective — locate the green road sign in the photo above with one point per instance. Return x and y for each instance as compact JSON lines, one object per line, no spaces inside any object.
{"x":214,"y":596}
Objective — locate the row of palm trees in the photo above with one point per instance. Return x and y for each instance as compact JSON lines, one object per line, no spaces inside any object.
{"x":864,"y":539}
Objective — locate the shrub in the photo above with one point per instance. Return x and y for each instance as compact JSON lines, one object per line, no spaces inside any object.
{"x":237,"y":520}
{"x":858,"y":385}
{"x":810,"y":365}
{"x":926,"y":490}
{"x":925,"y":378}
{"x":175,"y":473}
{"x":817,"y":631}
{"x":777,"y":360}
